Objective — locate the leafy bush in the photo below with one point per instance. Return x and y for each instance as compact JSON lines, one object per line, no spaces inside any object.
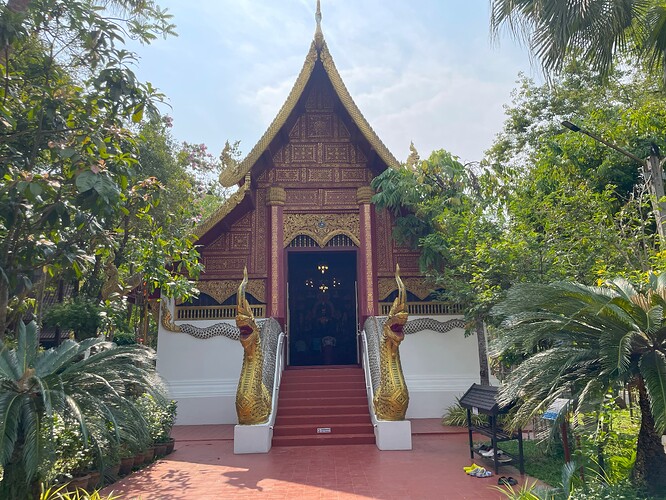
{"x":70,"y":455}
{"x":80,"y":316}
{"x":160,"y":416}
{"x":92,"y":391}
{"x":124,"y":338}
{"x":456,"y":416}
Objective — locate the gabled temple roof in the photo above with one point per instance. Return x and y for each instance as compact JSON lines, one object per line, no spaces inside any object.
{"x":318,"y":52}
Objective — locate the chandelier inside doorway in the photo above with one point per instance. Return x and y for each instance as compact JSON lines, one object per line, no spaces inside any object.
{"x":324,"y":282}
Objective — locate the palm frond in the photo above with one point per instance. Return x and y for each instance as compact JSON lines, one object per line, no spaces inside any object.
{"x":30,"y":424}
{"x":10,"y":408}
{"x":653,"y":369}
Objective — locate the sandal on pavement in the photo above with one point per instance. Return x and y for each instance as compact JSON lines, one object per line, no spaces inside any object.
{"x":511,"y":481}
{"x":470,"y":468}
{"x":475,"y":470}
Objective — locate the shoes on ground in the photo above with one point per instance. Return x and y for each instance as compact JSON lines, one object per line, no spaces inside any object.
{"x":481,"y":472}
{"x":471,"y":468}
{"x":508,"y":481}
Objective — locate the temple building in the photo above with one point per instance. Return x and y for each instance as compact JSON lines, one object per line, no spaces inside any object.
{"x":320,"y":258}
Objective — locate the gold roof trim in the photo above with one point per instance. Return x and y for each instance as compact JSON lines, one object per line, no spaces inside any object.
{"x":231,"y":176}
{"x":224,"y":210}
{"x":355,"y":113}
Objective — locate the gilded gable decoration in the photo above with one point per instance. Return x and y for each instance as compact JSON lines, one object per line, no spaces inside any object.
{"x":318,"y":51}
{"x":221,"y":290}
{"x":417,"y":286}
{"x":321,"y":228}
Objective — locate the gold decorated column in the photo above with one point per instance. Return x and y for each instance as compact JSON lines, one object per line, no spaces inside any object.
{"x":276,"y":300}
{"x":367,"y":281}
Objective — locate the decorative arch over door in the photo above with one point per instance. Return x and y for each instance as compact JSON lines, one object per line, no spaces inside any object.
{"x":322,"y":228}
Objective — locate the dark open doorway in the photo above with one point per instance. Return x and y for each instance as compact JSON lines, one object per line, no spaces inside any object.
{"x":322,"y":308}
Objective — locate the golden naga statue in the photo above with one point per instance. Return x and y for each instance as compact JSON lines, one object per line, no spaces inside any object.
{"x":253,"y":402}
{"x":392,"y":396}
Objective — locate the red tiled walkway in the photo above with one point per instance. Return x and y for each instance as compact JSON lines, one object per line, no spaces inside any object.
{"x":203,"y":467}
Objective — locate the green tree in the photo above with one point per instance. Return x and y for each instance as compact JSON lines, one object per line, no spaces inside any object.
{"x":65,"y":381}
{"x":441,"y":208}
{"x":66,"y":155}
{"x":597,"y":31}
{"x":579,"y":342}
{"x":583,"y":207}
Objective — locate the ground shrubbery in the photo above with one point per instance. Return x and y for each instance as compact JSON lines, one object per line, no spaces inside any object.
{"x":74,"y":409}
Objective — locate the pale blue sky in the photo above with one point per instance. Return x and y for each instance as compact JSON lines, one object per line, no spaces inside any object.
{"x":421,"y":70}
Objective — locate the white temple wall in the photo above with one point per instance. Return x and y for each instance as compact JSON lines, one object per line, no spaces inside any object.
{"x":438,"y":367}
{"x":202,"y":375}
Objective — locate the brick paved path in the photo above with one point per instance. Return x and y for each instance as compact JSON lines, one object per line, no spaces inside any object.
{"x":203,"y":467}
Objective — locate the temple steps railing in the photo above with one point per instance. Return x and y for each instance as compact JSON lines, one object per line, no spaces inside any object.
{"x":194,"y":313}
{"x":425,"y":308}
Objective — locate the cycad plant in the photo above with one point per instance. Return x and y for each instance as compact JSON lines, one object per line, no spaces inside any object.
{"x":86,"y":381}
{"x":579,"y":342}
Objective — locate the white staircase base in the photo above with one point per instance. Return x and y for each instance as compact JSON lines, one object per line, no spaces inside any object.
{"x":393,"y":435}
{"x":252,"y":439}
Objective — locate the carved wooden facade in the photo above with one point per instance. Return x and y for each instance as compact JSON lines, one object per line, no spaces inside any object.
{"x":309,"y":175}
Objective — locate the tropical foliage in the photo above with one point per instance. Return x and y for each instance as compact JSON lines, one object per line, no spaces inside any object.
{"x":597,"y":31}
{"x":87,"y":389}
{"x":581,"y":342}
{"x":77,"y":178}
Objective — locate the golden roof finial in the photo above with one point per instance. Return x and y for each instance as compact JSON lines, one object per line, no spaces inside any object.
{"x":319,"y":35}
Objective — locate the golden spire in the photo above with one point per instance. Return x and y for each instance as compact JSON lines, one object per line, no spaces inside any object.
{"x":319,"y":35}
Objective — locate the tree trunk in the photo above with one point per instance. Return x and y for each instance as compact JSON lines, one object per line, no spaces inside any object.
{"x":483,"y":351}
{"x":650,"y":466}
{"x":4,"y":302}
{"x":14,"y":482}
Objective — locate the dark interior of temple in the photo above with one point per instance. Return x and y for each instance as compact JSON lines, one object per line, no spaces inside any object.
{"x":322,"y":308}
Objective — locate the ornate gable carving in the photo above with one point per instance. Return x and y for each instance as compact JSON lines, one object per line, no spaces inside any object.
{"x":321,"y":228}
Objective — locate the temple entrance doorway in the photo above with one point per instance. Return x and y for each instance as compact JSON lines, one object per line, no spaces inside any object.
{"x":322,"y":308}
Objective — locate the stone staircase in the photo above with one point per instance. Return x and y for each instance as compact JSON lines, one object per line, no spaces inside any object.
{"x":322,"y":406}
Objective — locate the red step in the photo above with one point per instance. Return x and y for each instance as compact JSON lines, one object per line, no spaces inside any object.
{"x":290,"y":385}
{"x":330,"y":399}
{"x":295,"y":393}
{"x":322,"y":410}
{"x":323,"y":420}
{"x":312,"y":400}
{"x":324,"y":439}
{"x":311,"y":430}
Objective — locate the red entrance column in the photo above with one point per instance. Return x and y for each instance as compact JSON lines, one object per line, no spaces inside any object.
{"x":366,"y":279}
{"x":276,"y":279}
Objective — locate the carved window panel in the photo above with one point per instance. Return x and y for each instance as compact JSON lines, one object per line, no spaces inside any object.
{"x":304,"y":153}
{"x":288,"y":175}
{"x":336,"y":153}
{"x":340,"y":198}
{"x":359,"y":156}
{"x":221,"y":243}
{"x":240,"y":241}
{"x":320,"y":175}
{"x":295,"y":132}
{"x":320,"y":126}
{"x":303,"y":197}
{"x":214,"y":263}
{"x":354,"y":175}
